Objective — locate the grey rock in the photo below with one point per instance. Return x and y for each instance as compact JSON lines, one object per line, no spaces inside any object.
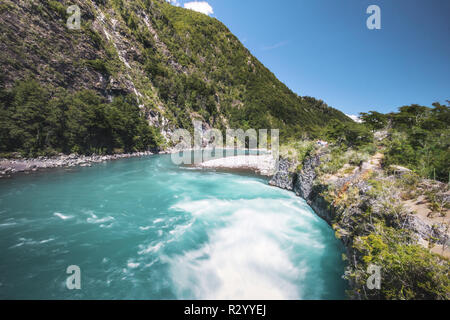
{"x":304,"y":181}
{"x":283,"y":178}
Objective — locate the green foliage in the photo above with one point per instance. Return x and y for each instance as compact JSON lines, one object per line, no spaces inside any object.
{"x":187,"y":63}
{"x":374,"y":120}
{"x":375,"y":231}
{"x":225,"y":80}
{"x":408,"y":271}
{"x":409,"y":183}
{"x":6,"y":7}
{"x":350,"y":134}
{"x":98,"y":64}
{"x":95,"y":37}
{"x":35,"y":122}
{"x":332,"y":162}
{"x":421,"y":140}
{"x":298,"y":150}
{"x":58,"y":8}
{"x":338,"y":157}
{"x":439,"y":202}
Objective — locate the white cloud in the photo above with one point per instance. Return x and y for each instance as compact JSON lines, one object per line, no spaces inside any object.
{"x":276,"y":45}
{"x":199,"y":6}
{"x":174,"y":2}
{"x":354,"y":118}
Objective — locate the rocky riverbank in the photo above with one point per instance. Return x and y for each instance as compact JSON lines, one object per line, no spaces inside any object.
{"x":363,"y":203}
{"x":9,"y":167}
{"x":302,"y":184}
{"x":306,"y":185}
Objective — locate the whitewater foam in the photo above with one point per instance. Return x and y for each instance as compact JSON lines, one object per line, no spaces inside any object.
{"x":94,"y":219}
{"x":193,"y":234}
{"x":61,"y":216}
{"x":150,"y":248}
{"x":248,"y":255}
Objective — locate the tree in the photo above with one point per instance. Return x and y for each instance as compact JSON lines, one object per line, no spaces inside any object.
{"x":349,"y":134}
{"x":374,"y":119}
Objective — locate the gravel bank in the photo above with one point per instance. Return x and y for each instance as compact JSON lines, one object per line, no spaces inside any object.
{"x":262,"y":164}
{"x":9,"y":166}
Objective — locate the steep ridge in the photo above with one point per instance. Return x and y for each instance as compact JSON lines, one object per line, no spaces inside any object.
{"x":178,"y":64}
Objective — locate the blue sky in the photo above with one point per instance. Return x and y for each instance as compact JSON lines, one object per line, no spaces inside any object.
{"x":322,"y":48}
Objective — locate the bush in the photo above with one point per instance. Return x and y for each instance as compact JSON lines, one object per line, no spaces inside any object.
{"x":356,"y":158}
{"x":348,"y":134}
{"x":58,"y":8}
{"x":334,"y":161}
{"x":98,"y":65}
{"x":408,"y":271}
{"x":297,"y":151}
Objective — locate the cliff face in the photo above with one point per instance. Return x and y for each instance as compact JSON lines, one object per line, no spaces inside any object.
{"x":307,"y":186}
{"x":180,"y":65}
{"x":356,"y":211}
{"x":303,"y":184}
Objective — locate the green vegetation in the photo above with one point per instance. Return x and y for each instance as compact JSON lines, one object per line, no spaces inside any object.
{"x":209,"y":74}
{"x":58,"y":8}
{"x":374,"y":120}
{"x":420,"y":140}
{"x":98,"y":65}
{"x":374,"y":222}
{"x":186,"y":66}
{"x":192,"y":67}
{"x":369,"y":212}
{"x":417,"y":137}
{"x":338,"y":157}
{"x":410,"y":272}
{"x":35,"y":120}
{"x":297,"y":151}
{"x":348,"y":134}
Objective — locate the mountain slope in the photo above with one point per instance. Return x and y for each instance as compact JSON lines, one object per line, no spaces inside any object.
{"x":178,"y":64}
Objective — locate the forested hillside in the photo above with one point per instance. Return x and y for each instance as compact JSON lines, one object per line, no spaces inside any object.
{"x":132,"y":63}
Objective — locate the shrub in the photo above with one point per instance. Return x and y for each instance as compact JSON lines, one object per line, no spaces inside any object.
{"x":297,"y":151}
{"x":98,"y":65}
{"x":408,"y":271}
{"x":58,"y":8}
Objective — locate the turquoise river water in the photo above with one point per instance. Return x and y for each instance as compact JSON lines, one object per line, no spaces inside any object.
{"x":144,"y":228}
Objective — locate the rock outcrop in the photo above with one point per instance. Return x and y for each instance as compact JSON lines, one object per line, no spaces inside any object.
{"x":305,"y":185}
{"x":284,"y":177}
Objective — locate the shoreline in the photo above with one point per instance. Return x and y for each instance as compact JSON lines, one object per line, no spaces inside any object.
{"x":10,"y":167}
{"x":264,"y":165}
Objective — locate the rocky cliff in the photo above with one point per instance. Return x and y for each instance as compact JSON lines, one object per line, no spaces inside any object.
{"x":353,"y":207}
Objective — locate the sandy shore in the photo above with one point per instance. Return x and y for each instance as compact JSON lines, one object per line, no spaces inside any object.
{"x":262,"y":164}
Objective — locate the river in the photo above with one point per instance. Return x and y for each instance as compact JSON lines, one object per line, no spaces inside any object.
{"x":145,"y":228}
